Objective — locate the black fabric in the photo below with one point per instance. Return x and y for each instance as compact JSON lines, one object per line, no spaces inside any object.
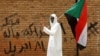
{"x":80,"y":47}
{"x":72,"y":22}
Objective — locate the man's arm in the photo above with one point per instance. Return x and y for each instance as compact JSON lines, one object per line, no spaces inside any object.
{"x":51,"y":32}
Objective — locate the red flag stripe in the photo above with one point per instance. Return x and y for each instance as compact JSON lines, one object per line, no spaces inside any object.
{"x":82,"y":22}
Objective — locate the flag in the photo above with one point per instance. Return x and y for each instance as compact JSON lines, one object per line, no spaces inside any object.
{"x":77,"y":19}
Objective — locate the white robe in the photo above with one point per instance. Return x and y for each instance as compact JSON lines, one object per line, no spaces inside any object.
{"x":55,"y":38}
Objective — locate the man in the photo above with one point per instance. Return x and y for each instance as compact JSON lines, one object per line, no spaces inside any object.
{"x":55,"y":37}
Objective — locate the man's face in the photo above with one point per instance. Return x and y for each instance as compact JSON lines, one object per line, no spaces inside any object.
{"x":52,"y":19}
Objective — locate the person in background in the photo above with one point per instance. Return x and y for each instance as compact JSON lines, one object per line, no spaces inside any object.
{"x":55,"y":37}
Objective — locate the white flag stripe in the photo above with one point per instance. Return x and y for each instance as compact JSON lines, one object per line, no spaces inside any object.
{"x":83,"y":37}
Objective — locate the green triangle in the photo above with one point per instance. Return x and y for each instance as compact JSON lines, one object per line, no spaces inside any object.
{"x":76,"y":9}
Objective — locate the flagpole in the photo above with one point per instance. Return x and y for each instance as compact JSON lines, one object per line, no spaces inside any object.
{"x":77,"y":51}
{"x":75,"y":1}
{"x":60,"y":16}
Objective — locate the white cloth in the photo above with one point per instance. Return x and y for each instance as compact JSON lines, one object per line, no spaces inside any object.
{"x":55,"y":38}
